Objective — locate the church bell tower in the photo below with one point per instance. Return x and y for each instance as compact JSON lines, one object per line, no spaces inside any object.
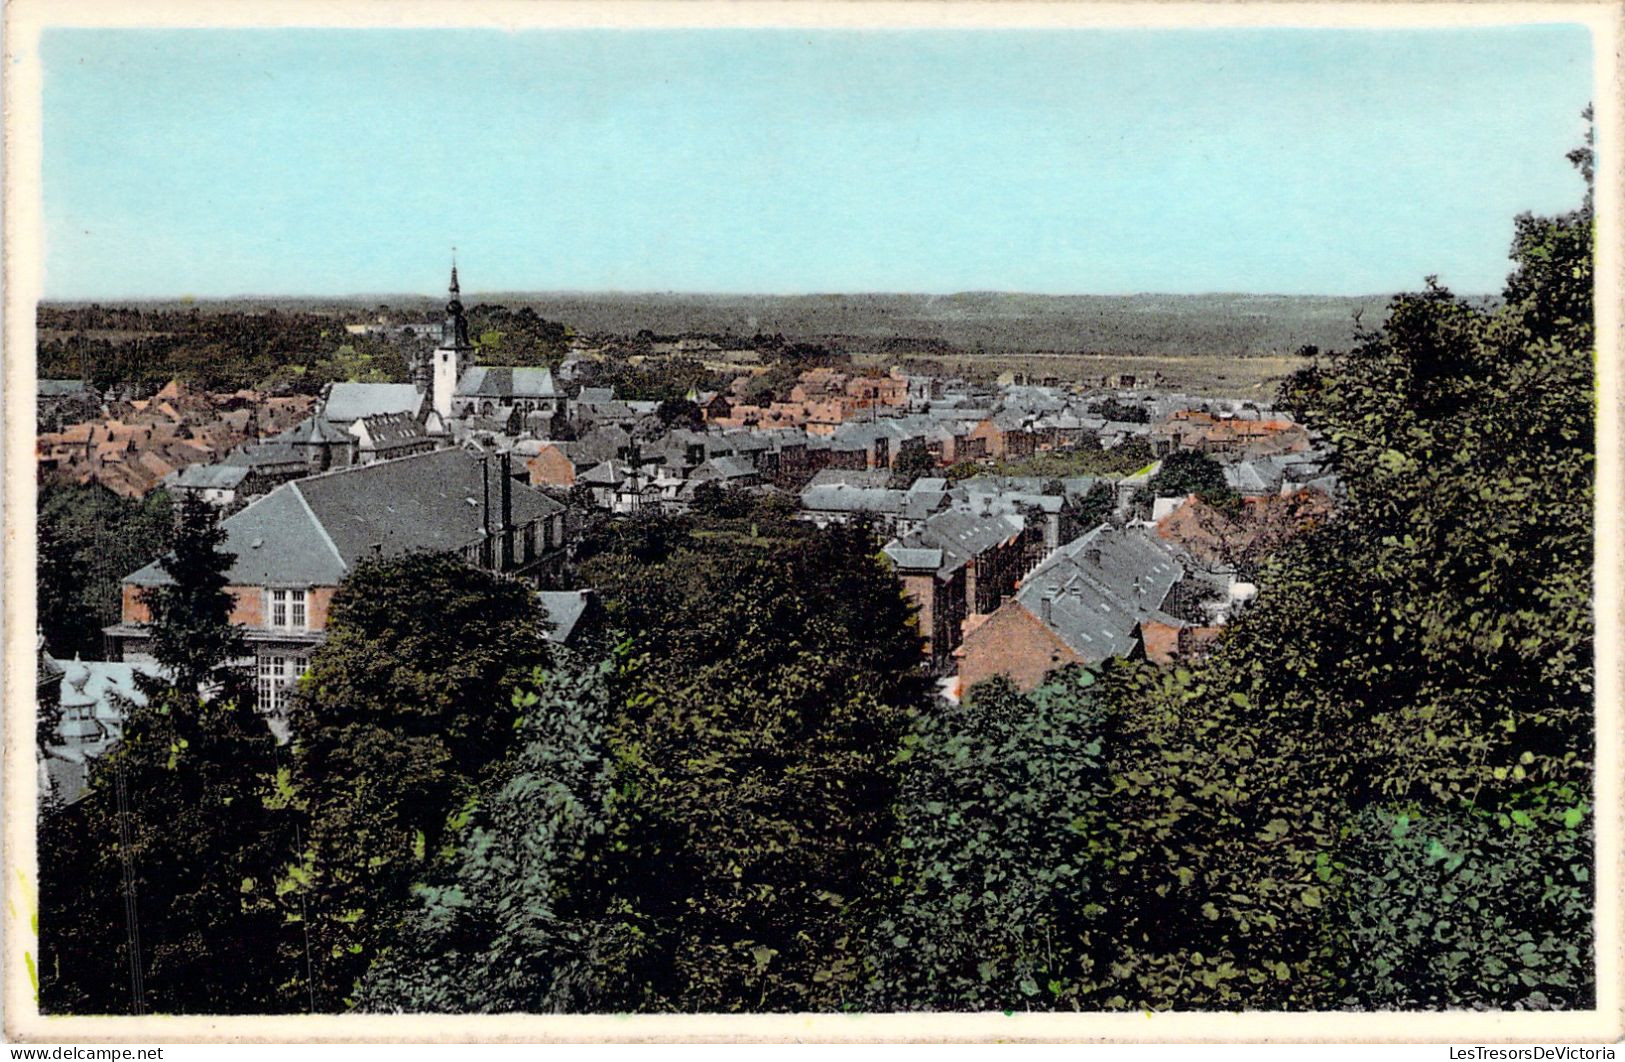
{"x":455,"y":353}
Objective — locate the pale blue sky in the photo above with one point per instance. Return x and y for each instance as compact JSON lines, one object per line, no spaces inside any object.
{"x":333,"y":162}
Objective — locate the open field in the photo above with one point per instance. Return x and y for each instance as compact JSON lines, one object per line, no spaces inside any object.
{"x":1195,"y":373}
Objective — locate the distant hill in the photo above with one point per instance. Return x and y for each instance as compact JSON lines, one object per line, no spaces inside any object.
{"x":1220,"y":325}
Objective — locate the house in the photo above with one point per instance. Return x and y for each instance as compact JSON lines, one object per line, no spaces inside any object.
{"x":547,"y":462}
{"x":322,"y":443}
{"x":91,"y":698}
{"x":1084,"y":604}
{"x":61,"y":402}
{"x":725,"y":472}
{"x":293,"y":547}
{"x":955,"y":565}
{"x":216,"y":484}
{"x":839,"y":503}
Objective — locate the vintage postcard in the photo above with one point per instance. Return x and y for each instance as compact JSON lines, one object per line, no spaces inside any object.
{"x":812,"y":521}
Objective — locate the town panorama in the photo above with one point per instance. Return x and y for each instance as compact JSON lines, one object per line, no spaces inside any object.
{"x":450,"y":657}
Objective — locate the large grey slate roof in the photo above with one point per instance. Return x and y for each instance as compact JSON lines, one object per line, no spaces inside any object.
{"x":839,"y":498}
{"x":913,"y":557}
{"x":350,"y":401}
{"x":315,"y":428}
{"x":495,"y":381}
{"x":262,"y":455}
{"x":851,"y":477}
{"x":962,"y":535}
{"x":1099,"y":586}
{"x":311,"y":532}
{"x":211,"y":477}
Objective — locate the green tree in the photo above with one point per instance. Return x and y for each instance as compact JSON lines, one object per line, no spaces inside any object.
{"x":1425,"y":654}
{"x":1001,"y":840}
{"x":407,"y":706}
{"x":202,"y":849}
{"x":511,"y":923}
{"x":1189,"y":472}
{"x":913,"y":461}
{"x":89,"y":539}
{"x":191,"y":633}
{"x":1082,"y":514}
{"x":766,"y":693}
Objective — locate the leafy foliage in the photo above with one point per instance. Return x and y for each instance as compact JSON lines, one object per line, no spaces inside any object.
{"x":1469,"y":908}
{"x":89,"y":539}
{"x":764,"y":702}
{"x":1001,"y":842}
{"x":507,"y":926}
{"x":406,"y":708}
{"x":1189,"y":472}
{"x":516,"y":337}
{"x":203,"y":850}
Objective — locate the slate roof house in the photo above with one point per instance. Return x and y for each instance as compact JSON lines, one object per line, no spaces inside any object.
{"x":294,"y":547}
{"x":92,"y":697}
{"x":956,"y":565}
{"x":1085,"y":603}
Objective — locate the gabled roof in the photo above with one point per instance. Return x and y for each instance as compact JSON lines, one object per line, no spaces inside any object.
{"x":914,"y":558}
{"x":313,"y":430}
{"x":211,"y":477}
{"x":351,"y":401}
{"x":509,"y":382}
{"x":724,"y":468}
{"x":962,"y":535}
{"x":311,"y":532}
{"x":390,"y":430}
{"x":840,"y":498}
{"x":851,"y":477}
{"x":606,"y":473}
{"x":262,"y":455}
{"x":1098,"y":587}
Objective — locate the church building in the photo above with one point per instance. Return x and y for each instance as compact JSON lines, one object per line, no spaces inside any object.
{"x":461,"y":389}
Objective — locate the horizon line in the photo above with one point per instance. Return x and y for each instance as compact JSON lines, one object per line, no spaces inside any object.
{"x":697,"y":293}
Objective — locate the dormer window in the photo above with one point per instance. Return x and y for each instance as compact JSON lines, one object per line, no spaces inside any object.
{"x":288,"y":611}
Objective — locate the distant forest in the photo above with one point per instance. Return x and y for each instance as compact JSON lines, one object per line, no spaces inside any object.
{"x":994,"y":323}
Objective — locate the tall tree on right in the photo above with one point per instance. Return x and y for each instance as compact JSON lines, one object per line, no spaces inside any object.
{"x":1410,"y":701}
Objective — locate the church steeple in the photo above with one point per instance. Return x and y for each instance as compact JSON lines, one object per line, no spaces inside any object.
{"x":454,"y":330}
{"x":455,"y":353}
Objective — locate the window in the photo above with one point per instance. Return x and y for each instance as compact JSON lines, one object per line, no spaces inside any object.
{"x":288,"y":610}
{"x":277,"y":674}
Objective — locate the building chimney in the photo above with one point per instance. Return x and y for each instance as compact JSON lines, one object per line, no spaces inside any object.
{"x":485,"y":507}
{"x":505,"y":464}
{"x":1046,"y":610}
